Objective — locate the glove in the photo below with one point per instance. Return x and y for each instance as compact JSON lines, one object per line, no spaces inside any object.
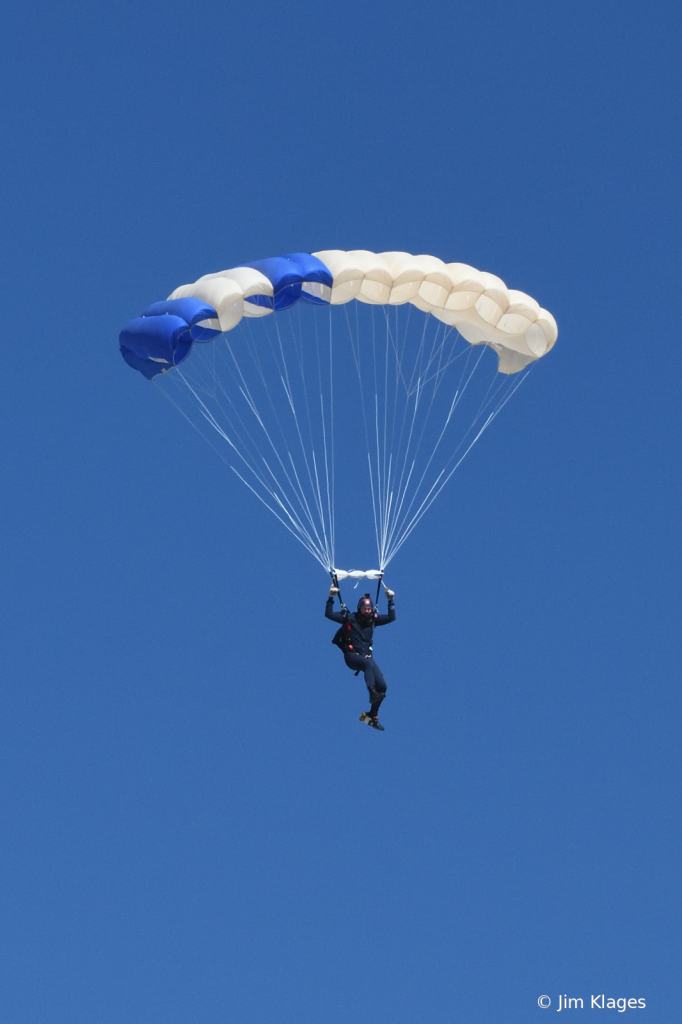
{"x":333,"y":591}
{"x":390,"y":594}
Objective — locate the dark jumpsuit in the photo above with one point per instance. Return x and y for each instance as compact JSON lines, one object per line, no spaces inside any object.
{"x":358,"y":653}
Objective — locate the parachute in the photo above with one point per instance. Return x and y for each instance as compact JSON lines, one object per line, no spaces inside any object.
{"x":359,"y":398}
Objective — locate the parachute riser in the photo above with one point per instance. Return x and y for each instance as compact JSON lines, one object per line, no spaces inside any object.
{"x":336,"y":584}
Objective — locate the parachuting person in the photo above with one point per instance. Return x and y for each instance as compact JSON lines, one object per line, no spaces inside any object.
{"x":355,"y":640}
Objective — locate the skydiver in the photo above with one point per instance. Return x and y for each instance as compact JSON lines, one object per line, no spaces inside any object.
{"x":355,"y":640}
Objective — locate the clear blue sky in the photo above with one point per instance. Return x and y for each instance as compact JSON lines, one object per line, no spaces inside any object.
{"x":195,"y":827}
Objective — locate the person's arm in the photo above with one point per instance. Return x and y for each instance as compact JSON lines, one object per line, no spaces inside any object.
{"x":329,"y":608}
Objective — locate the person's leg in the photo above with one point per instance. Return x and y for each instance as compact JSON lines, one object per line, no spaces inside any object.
{"x":376,"y":685}
{"x":375,"y":682}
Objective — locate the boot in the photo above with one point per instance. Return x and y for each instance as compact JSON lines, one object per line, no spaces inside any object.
{"x":372,"y":720}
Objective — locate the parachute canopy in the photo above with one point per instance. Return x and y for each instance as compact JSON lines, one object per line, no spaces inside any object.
{"x":477,"y":304}
{"x":288,"y":392}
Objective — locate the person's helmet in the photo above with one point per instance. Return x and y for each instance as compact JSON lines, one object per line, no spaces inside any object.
{"x":365,"y":606}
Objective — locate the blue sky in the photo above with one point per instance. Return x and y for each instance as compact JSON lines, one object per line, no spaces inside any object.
{"x":195,"y":826}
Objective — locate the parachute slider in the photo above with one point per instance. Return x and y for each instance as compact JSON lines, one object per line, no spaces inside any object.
{"x":358,"y":574}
